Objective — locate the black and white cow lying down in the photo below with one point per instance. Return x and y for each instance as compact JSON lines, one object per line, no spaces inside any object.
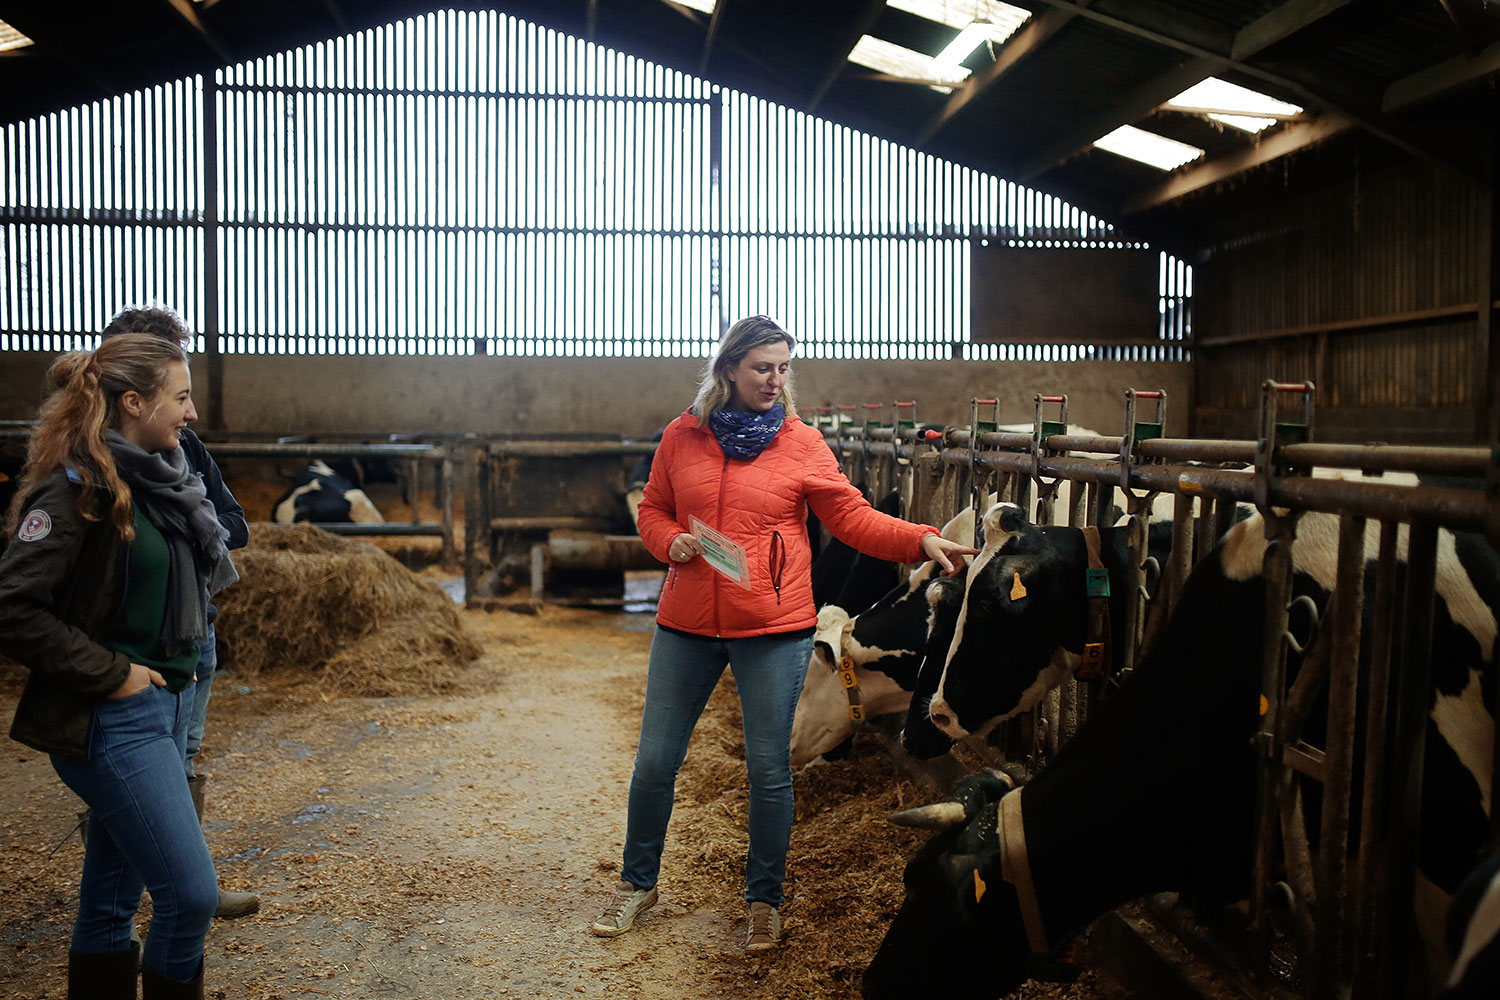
{"x":1166,"y":768}
{"x":324,"y":496}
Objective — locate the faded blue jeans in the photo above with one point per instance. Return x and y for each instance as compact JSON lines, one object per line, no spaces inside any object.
{"x":208,"y":662}
{"x":143,"y":833}
{"x":769,"y":671}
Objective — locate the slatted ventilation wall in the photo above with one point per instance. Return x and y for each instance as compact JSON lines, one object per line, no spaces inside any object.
{"x":469,"y":183}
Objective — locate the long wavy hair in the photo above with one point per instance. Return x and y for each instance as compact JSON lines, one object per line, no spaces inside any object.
{"x":83,"y":402}
{"x":714,"y":388}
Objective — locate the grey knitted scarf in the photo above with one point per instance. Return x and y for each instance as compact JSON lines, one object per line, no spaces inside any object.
{"x":174,"y":500}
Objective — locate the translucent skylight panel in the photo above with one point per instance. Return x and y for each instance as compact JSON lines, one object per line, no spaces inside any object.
{"x":887,"y":57}
{"x":1232,"y":104}
{"x":10,"y":38}
{"x":1149,"y":148}
{"x":1002,"y":18}
{"x":706,"y":6}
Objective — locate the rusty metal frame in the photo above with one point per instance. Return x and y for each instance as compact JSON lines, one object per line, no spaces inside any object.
{"x":1350,"y":900}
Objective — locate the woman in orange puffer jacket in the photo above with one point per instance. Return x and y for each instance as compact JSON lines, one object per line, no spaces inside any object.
{"x":726,"y":507}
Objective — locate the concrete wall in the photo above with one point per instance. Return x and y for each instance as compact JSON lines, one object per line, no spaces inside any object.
{"x":630,"y":397}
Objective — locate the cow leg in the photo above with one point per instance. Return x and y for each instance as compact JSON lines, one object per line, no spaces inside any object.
{"x":682,"y":674}
{"x":769,"y":670}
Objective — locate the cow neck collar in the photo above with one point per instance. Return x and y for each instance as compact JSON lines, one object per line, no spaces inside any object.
{"x":1095,"y":659}
{"x":1015,"y":868}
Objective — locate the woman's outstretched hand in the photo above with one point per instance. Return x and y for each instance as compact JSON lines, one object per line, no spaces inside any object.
{"x":946,"y":554}
{"x":683,"y":548}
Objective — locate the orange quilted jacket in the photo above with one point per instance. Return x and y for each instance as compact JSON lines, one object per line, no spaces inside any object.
{"x":762,"y":505}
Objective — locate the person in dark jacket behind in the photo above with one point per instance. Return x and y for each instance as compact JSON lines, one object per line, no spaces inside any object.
{"x":104,"y":592}
{"x":726,"y":505}
{"x":167,"y":325}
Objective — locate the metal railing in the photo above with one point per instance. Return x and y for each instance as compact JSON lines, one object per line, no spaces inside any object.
{"x":1353,"y":891}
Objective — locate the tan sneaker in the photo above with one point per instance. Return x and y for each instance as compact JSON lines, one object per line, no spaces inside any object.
{"x":619,"y":916}
{"x":764,"y":931}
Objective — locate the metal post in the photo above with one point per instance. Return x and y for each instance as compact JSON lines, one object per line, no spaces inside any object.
{"x":1329,"y":974}
{"x":1277,"y":570}
{"x":1408,"y":754}
{"x":1372,"y":875}
{"x":211,"y":251}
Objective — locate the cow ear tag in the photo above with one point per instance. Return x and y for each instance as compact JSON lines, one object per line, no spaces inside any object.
{"x":1092,"y":664}
{"x":979,"y":887}
{"x":1098,"y":582}
{"x":1017,"y":591}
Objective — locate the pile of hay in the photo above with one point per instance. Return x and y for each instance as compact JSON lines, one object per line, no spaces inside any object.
{"x":341,"y":611}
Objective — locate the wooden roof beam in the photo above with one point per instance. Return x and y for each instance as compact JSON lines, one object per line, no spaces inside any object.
{"x":1434,"y":80}
{"x":184,"y":9}
{"x":1221,"y":168}
{"x":1150,"y":23}
{"x":713,"y":32}
{"x":1031,"y":37}
{"x":858,"y":28}
{"x":1272,"y":26}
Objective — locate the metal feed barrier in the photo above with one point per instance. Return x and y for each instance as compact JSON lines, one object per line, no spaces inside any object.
{"x":1350,"y":902}
{"x":411,"y":455}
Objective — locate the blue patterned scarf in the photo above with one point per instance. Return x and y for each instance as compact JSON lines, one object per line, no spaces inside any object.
{"x":745,"y":435}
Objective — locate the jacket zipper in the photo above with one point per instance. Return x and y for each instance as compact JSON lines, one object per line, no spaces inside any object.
{"x":775,"y":565}
{"x":718,"y":523}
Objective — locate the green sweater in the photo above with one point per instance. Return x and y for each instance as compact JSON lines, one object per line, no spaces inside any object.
{"x":137,"y":629}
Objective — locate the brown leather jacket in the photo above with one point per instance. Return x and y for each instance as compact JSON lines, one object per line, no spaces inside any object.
{"x":62,"y":579}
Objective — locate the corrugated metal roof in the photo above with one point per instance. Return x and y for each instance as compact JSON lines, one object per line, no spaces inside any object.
{"x":1413,"y":79}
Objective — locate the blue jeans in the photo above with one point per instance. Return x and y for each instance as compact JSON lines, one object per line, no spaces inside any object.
{"x":208,"y":662}
{"x":769,"y":671}
{"x":142,"y":834}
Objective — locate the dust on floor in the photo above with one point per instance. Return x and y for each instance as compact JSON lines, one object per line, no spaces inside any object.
{"x":459,"y":846}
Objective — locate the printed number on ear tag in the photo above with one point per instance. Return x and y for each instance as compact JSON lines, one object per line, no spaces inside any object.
{"x":979,"y":887}
{"x":1092,"y":664}
{"x":856,"y":713}
{"x":1017,"y":588}
{"x":848,"y":678}
{"x":1098,"y":582}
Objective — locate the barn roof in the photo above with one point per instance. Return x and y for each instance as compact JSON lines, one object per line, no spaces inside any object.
{"x":1374,"y":79}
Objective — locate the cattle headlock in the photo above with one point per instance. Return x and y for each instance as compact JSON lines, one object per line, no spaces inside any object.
{"x":1340,"y":743}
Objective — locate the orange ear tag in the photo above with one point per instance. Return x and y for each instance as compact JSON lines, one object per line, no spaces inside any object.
{"x":1265,"y":706}
{"x":1017,"y":588}
{"x":979,"y":887}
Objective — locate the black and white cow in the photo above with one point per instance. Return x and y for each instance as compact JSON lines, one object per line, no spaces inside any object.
{"x":323,"y":496}
{"x":884,"y":644}
{"x":1474,"y":935}
{"x":1166,"y":766}
{"x":1019,"y":626}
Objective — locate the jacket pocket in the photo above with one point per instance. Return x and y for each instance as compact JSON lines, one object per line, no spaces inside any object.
{"x":776,"y":563}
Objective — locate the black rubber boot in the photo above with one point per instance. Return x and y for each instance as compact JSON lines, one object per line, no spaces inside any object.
{"x":231,"y":904}
{"x":159,"y":987}
{"x":108,"y":975}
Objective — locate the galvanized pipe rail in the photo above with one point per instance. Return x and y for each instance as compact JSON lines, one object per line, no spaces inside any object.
{"x":412,"y":454}
{"x":1465,"y":509}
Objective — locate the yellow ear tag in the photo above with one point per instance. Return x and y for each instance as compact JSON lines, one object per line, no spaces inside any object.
{"x":1265,"y":706}
{"x":1017,"y":588}
{"x":979,"y":886}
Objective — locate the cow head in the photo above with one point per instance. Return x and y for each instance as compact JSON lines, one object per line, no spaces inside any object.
{"x":822,"y":721}
{"x":919,"y":737}
{"x":956,"y":904}
{"x":1019,"y":630}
